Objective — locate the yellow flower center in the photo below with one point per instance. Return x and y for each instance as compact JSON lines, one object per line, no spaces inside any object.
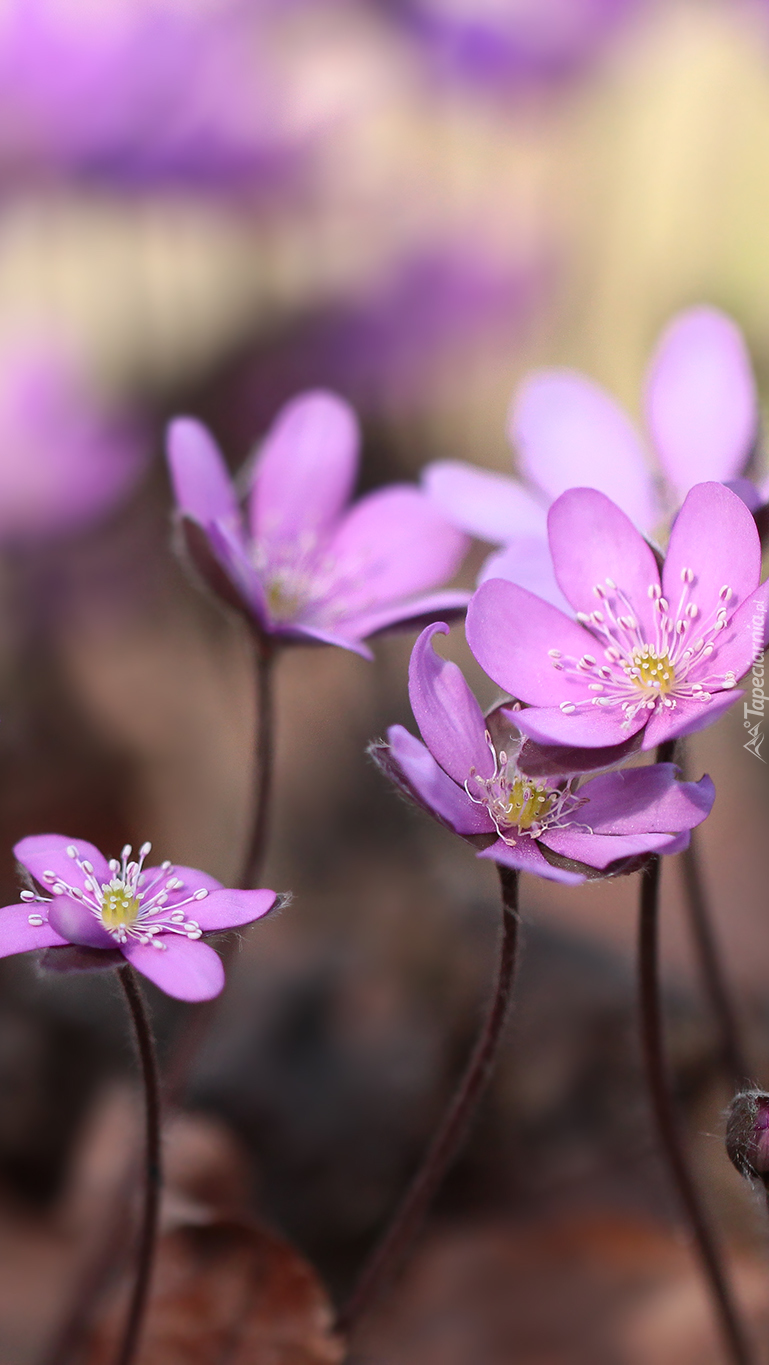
{"x":529,"y":802}
{"x":651,"y":671}
{"x":119,"y":906}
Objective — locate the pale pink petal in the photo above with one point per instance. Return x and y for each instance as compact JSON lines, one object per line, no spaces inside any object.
{"x":225,"y":909}
{"x":715,"y":536}
{"x":411,"y":766}
{"x":528,"y":563}
{"x":570,"y":433}
{"x":201,"y":480}
{"x":592,"y":727}
{"x":593,"y":543}
{"x":511,"y":632}
{"x":411,"y":615}
{"x":184,"y":968}
{"x":75,"y":923}
{"x":687,"y":718}
{"x":487,"y":505}
{"x":390,"y":546}
{"x":526,"y":857}
{"x":17,"y":935}
{"x":645,"y":800}
{"x":701,"y":399}
{"x":745,"y":637}
{"x":599,"y":850}
{"x":298,"y":634}
{"x":41,"y":853}
{"x":449,"y":717}
{"x":305,"y":471}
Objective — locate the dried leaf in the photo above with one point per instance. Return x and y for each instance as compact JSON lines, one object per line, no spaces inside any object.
{"x":227,"y":1290}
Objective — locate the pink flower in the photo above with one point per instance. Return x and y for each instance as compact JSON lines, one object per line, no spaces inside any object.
{"x":702,"y":419}
{"x":470,"y":773}
{"x":64,"y":461}
{"x":153,"y":917}
{"x":649,"y":656}
{"x":308,"y":568}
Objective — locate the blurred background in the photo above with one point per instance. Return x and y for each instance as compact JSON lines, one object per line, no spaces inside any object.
{"x":205,"y":207}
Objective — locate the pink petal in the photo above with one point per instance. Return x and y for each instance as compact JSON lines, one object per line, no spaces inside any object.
{"x":569,"y":432}
{"x":715,"y":535}
{"x":528,"y":563}
{"x":17,"y":935}
{"x":75,"y":923}
{"x":745,"y":637}
{"x":449,"y":717}
{"x":186,"y":968}
{"x":305,"y":471}
{"x":489,"y":506}
{"x":592,"y":541}
{"x":594,"y":727}
{"x":201,"y":480}
{"x":645,"y":800}
{"x":41,"y":853}
{"x":312,"y":635}
{"x":392,"y":545}
{"x":599,"y":850}
{"x":701,"y":399}
{"x":225,"y":909}
{"x":510,"y":632}
{"x":526,"y":857}
{"x":687,"y":718}
{"x":412,"y":767}
{"x":231,"y":555}
{"x":410,"y":615}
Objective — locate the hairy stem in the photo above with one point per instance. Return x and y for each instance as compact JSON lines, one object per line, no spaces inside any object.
{"x":145,"y":1045}
{"x":408,"y":1218}
{"x":263,"y":765}
{"x":732,"y":1053}
{"x":666,"y":1120}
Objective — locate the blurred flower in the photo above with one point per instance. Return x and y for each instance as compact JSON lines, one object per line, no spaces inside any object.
{"x":63,"y":461}
{"x":152,"y":917}
{"x":645,"y":658}
{"x":521,"y":41}
{"x":139,"y":89}
{"x":310,"y":570}
{"x":476,"y":785}
{"x":702,"y":414}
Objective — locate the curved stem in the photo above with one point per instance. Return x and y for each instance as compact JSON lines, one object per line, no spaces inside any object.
{"x":732,"y":1053}
{"x":252,"y":866}
{"x":148,"y":1235}
{"x":387,"y":1255}
{"x":666,"y":1119}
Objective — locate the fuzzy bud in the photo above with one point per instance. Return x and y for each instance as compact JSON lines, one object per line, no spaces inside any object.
{"x":747,"y":1134}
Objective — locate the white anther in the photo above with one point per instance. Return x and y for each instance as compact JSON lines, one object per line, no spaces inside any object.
{"x":201,"y":894}
{"x":725,"y":592}
{"x":610,"y":583}
{"x":35,"y":921}
{"x":27,"y":896}
{"x":71,"y":851}
{"x":567,"y":707}
{"x":126,"y":851}
{"x":144,"y":850}
{"x":554,"y":653}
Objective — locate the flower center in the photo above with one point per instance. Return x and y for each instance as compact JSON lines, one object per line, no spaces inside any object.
{"x":120,"y":905}
{"x":284,"y":598}
{"x":651,"y":670}
{"x":641,"y":675}
{"x":528,"y":803}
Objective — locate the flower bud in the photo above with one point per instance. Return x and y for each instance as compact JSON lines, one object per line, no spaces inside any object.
{"x":747,"y":1134}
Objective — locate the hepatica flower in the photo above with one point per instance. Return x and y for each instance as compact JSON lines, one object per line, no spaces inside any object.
{"x":305,"y":567}
{"x":469,"y":773}
{"x":701,"y":416}
{"x":650,"y":655}
{"x":154,"y":917}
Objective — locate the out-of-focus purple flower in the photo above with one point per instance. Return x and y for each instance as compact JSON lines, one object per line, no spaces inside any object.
{"x":468,"y":774}
{"x":140,"y":90}
{"x":64,"y":463}
{"x":308,"y":568}
{"x":119,"y":910}
{"x":496,"y":40}
{"x":648,"y":656}
{"x":702,"y":416}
